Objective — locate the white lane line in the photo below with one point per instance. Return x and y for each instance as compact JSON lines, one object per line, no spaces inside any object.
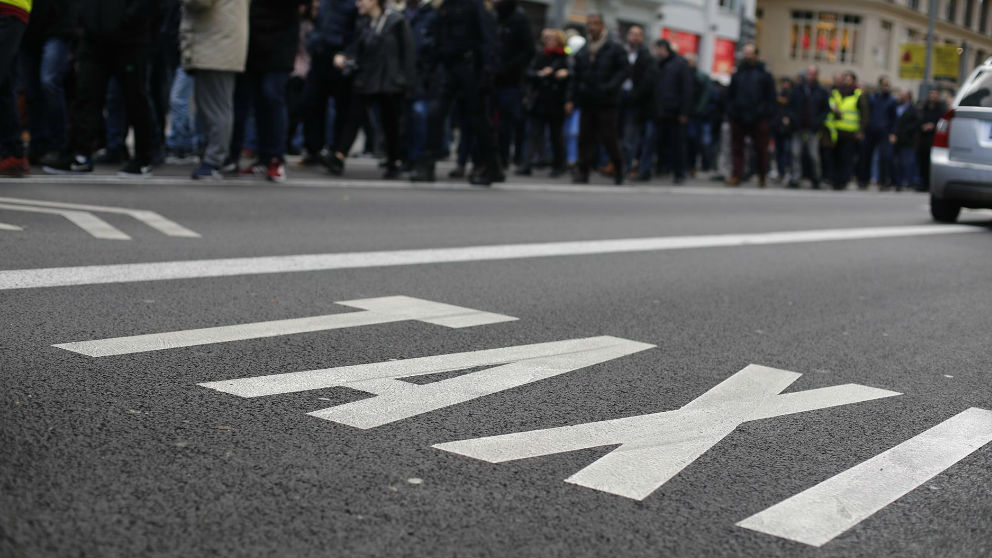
{"x":818,"y":515}
{"x":381,"y":310}
{"x":191,"y":269}
{"x":90,"y":223}
{"x":6,"y":227}
{"x":150,"y":218}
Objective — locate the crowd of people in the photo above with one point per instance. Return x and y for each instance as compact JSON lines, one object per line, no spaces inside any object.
{"x":203,"y":82}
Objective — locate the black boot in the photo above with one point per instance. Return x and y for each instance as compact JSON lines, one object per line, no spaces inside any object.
{"x":423,"y":171}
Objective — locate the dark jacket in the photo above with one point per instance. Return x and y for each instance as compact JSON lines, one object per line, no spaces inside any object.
{"x":465,"y":32}
{"x":334,"y":27}
{"x":52,"y":18}
{"x":778,"y":123}
{"x":644,"y":78}
{"x":516,"y":44}
{"x":882,"y":112}
{"x":809,"y":106}
{"x":421,"y":22}
{"x":907,"y":127}
{"x":751,"y":94}
{"x":120,"y":22}
{"x":385,"y":55}
{"x":596,"y":81}
{"x":273,"y":35}
{"x":673,"y":93}
{"x":930,"y":114}
{"x":701,"y":93}
{"x":549,"y":92}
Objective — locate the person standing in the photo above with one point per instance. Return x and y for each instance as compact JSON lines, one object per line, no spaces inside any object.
{"x":516,"y":50}
{"x":781,"y":131}
{"x":673,"y":98}
{"x":882,"y":117}
{"x":214,"y":39}
{"x":931,"y":112}
{"x":383,"y":55}
{"x":905,"y":133}
{"x":116,"y":42}
{"x":273,"y":35}
{"x":549,"y":75}
{"x":750,"y":103}
{"x":639,"y":136}
{"x":420,"y":16}
{"x":598,"y":75}
{"x":698,"y":131}
{"x":806,"y":114}
{"x":14,"y":15}
{"x":467,"y":49}
{"x":850,"y":109}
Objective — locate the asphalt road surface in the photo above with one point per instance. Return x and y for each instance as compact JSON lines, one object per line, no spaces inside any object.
{"x":359,"y":368}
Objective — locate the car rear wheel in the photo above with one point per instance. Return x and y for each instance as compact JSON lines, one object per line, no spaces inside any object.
{"x":943,"y":210}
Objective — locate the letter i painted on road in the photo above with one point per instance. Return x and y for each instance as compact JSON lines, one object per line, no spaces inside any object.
{"x":818,"y":515}
{"x":656,"y":447}
{"x":396,"y":400}
{"x":382,"y":310}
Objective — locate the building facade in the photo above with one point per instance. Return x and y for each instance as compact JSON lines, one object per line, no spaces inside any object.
{"x":867,"y":36}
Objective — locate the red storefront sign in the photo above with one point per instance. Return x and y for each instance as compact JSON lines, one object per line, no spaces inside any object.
{"x":683,"y":41}
{"x":723,"y":56}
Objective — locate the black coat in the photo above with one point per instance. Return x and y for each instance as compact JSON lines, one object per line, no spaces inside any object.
{"x":808,"y":103}
{"x":644,"y":78}
{"x":673,"y":93}
{"x":334,"y":27}
{"x":120,"y":22}
{"x":907,"y":127}
{"x":465,"y":32}
{"x":751,"y":95}
{"x":385,"y":55}
{"x":516,"y":44}
{"x":52,"y":18}
{"x":596,"y":82}
{"x":930,"y":114}
{"x":421,"y":22}
{"x":548,"y":93}
{"x":273,"y":35}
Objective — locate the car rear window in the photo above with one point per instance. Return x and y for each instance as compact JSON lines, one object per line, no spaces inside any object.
{"x":977,"y":93}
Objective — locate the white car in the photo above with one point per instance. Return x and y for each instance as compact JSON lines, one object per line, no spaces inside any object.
{"x":961,"y":157}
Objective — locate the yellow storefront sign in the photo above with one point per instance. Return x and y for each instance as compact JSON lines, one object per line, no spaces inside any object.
{"x":913,"y":57}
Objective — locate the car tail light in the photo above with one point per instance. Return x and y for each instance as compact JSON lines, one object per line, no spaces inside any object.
{"x":942,"y":133}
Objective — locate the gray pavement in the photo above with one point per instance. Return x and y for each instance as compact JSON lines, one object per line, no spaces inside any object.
{"x":128,"y":455}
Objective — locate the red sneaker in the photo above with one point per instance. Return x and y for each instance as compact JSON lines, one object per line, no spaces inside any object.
{"x":14,"y":167}
{"x":276,"y":171}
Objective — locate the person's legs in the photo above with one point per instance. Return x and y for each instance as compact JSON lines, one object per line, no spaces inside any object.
{"x":270,"y":114}
{"x":556,"y":136}
{"x":870,"y":144}
{"x":11,"y":31}
{"x":737,"y":134}
{"x":885,"y":162}
{"x":588,"y":142}
{"x":55,"y":60}
{"x":633,"y":136}
{"x":132,"y":73}
{"x":115,"y":123}
{"x":417,"y":130}
{"x":313,"y":103}
{"x":609,"y":133}
{"x":214,"y":94}
{"x":244,"y":90}
{"x":509,"y":109}
{"x":182,"y":133}
{"x":29,"y":61}
{"x":92,"y":78}
{"x":759,"y":135}
{"x":648,"y":143}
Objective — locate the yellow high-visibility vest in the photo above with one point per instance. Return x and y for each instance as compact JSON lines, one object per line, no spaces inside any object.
{"x":22,"y":4}
{"x":850,"y":117}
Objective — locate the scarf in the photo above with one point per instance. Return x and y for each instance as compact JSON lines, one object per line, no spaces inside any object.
{"x":594,"y":46}
{"x":553,"y":50}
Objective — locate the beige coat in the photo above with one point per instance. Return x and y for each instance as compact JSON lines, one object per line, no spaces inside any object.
{"x":214,"y":35}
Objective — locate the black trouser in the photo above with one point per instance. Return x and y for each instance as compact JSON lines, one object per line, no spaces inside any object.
{"x":672,"y":145}
{"x":11,"y":31}
{"x":97,"y":63}
{"x":390,"y":107}
{"x":462,"y":82}
{"x":553,"y":124}
{"x":598,"y":125}
{"x":324,"y":81}
{"x":923,"y":159}
{"x":846,"y":154}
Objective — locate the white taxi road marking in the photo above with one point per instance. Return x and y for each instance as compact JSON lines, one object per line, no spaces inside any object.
{"x":95,"y":226}
{"x":192,"y":269}
{"x":656,"y":447}
{"x":397,"y":400}
{"x":380,"y":310}
{"x":818,"y":515}
{"x":150,"y":218}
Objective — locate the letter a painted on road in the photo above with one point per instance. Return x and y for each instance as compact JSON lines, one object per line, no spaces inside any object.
{"x":396,"y":400}
{"x":656,"y":447}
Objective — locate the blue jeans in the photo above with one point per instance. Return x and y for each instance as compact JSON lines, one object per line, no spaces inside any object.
{"x":905,"y":166}
{"x":115,"y":121}
{"x":266,"y":94}
{"x":183,"y":135}
{"x":43,"y":69}
{"x":639,"y":138}
{"x":417,"y":129}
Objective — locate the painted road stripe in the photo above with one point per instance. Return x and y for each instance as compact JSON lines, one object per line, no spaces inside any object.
{"x":191,"y":269}
{"x":6,"y":227}
{"x":150,"y":218}
{"x":90,"y":223}
{"x":817,"y":515}
{"x":382,"y":310}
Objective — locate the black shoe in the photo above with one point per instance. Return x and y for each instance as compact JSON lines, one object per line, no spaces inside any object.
{"x":69,"y":164}
{"x":392,"y":172}
{"x":523,"y":171}
{"x":423,"y":171}
{"x":333,"y":163}
{"x":112,"y":157}
{"x":457,"y":172}
{"x":134,"y":169}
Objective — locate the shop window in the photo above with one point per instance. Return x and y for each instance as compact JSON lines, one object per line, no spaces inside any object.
{"x":825,"y":36}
